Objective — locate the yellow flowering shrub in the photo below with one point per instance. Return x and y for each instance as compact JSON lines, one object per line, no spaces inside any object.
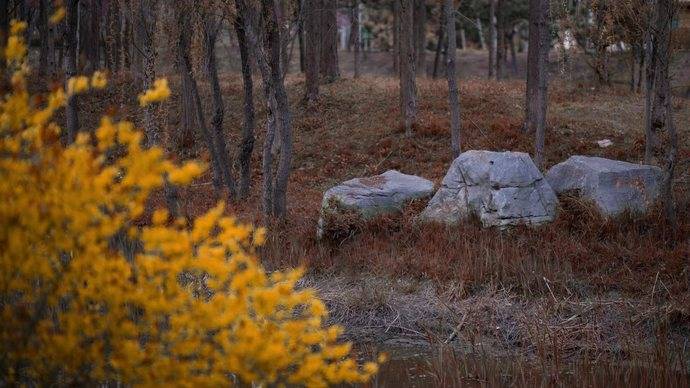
{"x":159,"y":92}
{"x":87,"y":297}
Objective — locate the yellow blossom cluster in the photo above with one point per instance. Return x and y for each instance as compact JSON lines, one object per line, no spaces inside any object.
{"x":159,"y":92}
{"x":57,"y":16}
{"x":88,"y":297}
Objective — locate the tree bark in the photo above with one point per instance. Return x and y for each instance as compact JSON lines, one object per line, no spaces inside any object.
{"x":211,"y":29}
{"x":247,"y":145}
{"x":268,"y":58}
{"x":482,"y":39}
{"x":72,"y":109}
{"x":312,"y":29}
{"x":537,"y":74}
{"x":664,"y":141}
{"x":453,"y":98}
{"x":513,"y":51}
{"x":145,"y":35}
{"x":420,"y":35}
{"x":329,"y":41}
{"x":493,"y":39}
{"x":355,"y":35}
{"x":396,"y":37}
{"x":184,"y":45}
{"x":300,"y":35}
{"x":440,"y":37}
{"x":408,"y":87}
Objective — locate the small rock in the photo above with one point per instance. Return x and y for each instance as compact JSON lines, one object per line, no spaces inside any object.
{"x":613,"y":185}
{"x":605,"y":143}
{"x":501,"y":188}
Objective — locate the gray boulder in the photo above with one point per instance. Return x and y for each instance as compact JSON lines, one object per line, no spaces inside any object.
{"x":500,"y":188}
{"x":370,"y":196}
{"x":614,"y":186}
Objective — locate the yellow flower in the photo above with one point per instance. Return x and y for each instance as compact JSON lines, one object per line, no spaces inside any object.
{"x":57,"y":16}
{"x":16,"y":49}
{"x":159,"y":92}
{"x":17,"y":27}
{"x":184,"y":175}
{"x":76,"y":85}
{"x":98,"y":80}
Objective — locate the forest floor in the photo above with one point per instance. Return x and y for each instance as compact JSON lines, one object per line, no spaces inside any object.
{"x":583,"y":286}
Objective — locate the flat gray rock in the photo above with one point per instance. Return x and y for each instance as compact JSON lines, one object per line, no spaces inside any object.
{"x":613,"y":185}
{"x":370,"y":196}
{"x":500,"y":188}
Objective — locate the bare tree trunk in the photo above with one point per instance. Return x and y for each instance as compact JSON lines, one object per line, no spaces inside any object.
{"x":43,"y":30}
{"x":419,"y":14}
{"x":482,"y":39}
{"x":329,"y":41}
{"x":355,"y":34}
{"x":650,"y":59}
{"x":312,"y":29}
{"x":440,"y":36}
{"x":284,"y":120}
{"x":493,"y":39}
{"x":513,"y":52}
{"x":72,"y":109}
{"x":211,"y":29}
{"x":396,"y":37}
{"x":463,"y":39}
{"x":640,"y":69}
{"x":145,"y":35}
{"x":268,"y":59}
{"x":661,"y":120}
{"x":408,"y":87}
{"x":300,"y":35}
{"x":184,"y":45}
{"x":453,"y":98}
{"x":537,"y":74}
{"x":247,"y":145}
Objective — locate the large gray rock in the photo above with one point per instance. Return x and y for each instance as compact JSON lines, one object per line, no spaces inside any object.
{"x":500,"y":188}
{"x":370,"y":196}
{"x":614,"y":186}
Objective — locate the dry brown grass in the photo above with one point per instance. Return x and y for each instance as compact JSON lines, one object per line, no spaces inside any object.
{"x":581,"y":285}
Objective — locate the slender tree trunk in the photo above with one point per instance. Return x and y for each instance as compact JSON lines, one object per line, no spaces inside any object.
{"x":145,"y":36}
{"x":184,"y":45}
{"x":247,"y":145}
{"x":661,"y":112}
{"x":300,"y":35}
{"x":513,"y":52}
{"x":408,"y":87}
{"x":440,"y":36}
{"x":640,"y":69}
{"x":396,"y":37}
{"x":268,"y":59}
{"x":482,"y":39}
{"x":72,"y":109}
{"x":650,"y":60}
{"x":453,"y":98}
{"x":419,"y":14}
{"x":537,"y":74}
{"x":43,"y":10}
{"x":493,"y":39}
{"x":355,"y":35}
{"x":312,"y":50}
{"x":284,"y":120}
{"x":211,"y":29}
{"x":329,"y":41}
{"x":463,"y":39}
